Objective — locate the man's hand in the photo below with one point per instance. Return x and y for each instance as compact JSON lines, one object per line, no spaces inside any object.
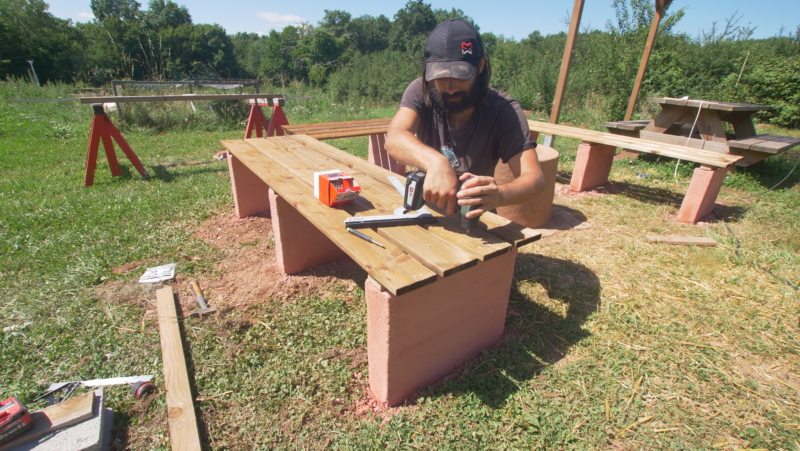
{"x":479,"y":190}
{"x":441,"y":185}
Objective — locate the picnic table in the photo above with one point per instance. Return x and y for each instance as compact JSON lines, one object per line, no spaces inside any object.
{"x":436,"y":296}
{"x":705,"y":120}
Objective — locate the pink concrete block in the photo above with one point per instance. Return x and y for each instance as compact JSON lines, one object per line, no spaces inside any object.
{"x":250,"y":193}
{"x":592,"y":166}
{"x":703,"y":190}
{"x":380,"y":157}
{"x":299,"y":245}
{"x":538,"y":211}
{"x":417,"y":338}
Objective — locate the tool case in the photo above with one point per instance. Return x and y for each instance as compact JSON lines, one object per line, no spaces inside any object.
{"x":14,"y":419}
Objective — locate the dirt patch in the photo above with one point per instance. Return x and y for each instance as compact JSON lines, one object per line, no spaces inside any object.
{"x":608,"y":188}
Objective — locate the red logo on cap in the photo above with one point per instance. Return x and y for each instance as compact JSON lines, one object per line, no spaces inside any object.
{"x":466,"y":47}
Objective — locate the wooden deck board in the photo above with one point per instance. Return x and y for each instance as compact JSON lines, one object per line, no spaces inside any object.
{"x":391,"y":267}
{"x":668,"y":150}
{"x":444,"y":258}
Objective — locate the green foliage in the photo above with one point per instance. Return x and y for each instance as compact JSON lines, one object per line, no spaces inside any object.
{"x":776,"y":82}
{"x":380,"y":76}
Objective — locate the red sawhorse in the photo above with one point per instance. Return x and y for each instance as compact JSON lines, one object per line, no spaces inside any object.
{"x":256,"y":120}
{"x":103,"y":128}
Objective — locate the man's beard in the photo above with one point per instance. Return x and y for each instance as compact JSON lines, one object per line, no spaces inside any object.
{"x":457,"y":102}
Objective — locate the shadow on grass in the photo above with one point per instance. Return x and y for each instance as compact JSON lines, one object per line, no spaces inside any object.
{"x":161,"y":172}
{"x":535,"y":336}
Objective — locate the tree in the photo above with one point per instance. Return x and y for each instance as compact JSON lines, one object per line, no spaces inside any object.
{"x":165,"y":14}
{"x":369,"y":34}
{"x":335,"y":22}
{"x":115,"y":9}
{"x":411,"y":27}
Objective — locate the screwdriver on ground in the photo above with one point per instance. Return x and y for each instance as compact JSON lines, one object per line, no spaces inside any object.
{"x":364,"y":237}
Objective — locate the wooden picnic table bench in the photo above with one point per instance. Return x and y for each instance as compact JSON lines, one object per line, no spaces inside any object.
{"x":596,"y":155}
{"x":704,"y":119}
{"x":435,"y":295}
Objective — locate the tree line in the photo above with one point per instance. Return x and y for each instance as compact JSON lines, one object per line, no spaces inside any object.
{"x":376,"y":57}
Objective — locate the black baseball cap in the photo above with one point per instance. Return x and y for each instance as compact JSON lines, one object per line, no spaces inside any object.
{"x":453,"y":50}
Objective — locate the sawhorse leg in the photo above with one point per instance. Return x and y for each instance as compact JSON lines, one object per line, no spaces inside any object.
{"x":103,"y":129}
{"x":256,"y":119}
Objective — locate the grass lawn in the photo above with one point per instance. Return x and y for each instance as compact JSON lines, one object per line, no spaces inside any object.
{"x":611,"y":342}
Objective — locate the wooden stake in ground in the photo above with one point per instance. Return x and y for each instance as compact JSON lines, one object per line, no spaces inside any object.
{"x":180,"y":409}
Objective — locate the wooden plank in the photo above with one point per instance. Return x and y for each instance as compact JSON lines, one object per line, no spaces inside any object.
{"x":496,"y":225}
{"x":55,"y":417}
{"x":742,"y":123}
{"x":664,"y":120}
{"x":710,"y":126}
{"x":714,"y":105}
{"x":668,"y":150}
{"x":773,"y":144}
{"x":391,"y":267}
{"x":177,"y":98}
{"x":684,"y":141}
{"x":345,"y":129}
{"x":626,"y":125}
{"x":673,"y":239}
{"x":439,"y":255}
{"x":180,"y":407}
{"x":436,"y":254}
{"x":651,"y":37}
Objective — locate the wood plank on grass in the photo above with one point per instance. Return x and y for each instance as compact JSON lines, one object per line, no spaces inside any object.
{"x":674,"y":239}
{"x":180,"y":407}
{"x":55,"y":417}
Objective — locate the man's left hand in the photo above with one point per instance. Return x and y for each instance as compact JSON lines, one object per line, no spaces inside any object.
{"x":479,"y":190}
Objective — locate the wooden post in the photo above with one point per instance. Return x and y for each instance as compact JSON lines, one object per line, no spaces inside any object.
{"x":566,"y":62}
{"x":661,"y":5}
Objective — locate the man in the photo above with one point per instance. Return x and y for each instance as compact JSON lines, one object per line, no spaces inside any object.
{"x":452,"y":110}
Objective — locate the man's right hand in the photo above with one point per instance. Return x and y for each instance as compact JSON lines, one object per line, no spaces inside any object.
{"x":441,"y":186}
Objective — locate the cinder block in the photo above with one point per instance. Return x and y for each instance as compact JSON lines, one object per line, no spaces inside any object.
{"x":703,"y":190}
{"x":538,"y":211}
{"x":417,"y":338}
{"x":379,"y":156}
{"x":592,"y":166}
{"x":250,"y":195}
{"x":299,"y":245}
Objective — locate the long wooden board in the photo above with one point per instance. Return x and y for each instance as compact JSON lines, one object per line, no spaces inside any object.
{"x":673,"y":239}
{"x":668,"y":150}
{"x":709,"y":104}
{"x":391,"y":267}
{"x":55,"y":417}
{"x":334,"y":130}
{"x":180,"y":407}
{"x":177,"y":98}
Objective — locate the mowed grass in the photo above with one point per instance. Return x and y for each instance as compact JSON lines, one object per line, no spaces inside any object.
{"x":611,"y":342}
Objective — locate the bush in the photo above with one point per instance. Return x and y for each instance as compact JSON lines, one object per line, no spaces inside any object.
{"x":776,"y":82}
{"x":380,"y":76}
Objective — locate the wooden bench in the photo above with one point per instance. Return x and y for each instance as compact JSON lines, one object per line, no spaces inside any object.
{"x":596,"y":155}
{"x":374,"y":128}
{"x":435,"y":295}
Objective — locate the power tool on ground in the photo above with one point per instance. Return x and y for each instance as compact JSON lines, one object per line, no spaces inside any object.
{"x":14,"y":419}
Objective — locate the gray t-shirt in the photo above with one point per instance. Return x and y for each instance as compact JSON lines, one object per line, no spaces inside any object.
{"x":496,"y":131}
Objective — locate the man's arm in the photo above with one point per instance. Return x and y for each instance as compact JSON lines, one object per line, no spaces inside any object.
{"x":527,"y":184}
{"x":403,"y":145}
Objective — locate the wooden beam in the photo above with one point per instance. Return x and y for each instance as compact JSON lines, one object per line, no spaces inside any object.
{"x":181,"y":98}
{"x":672,"y":239}
{"x":648,"y":48}
{"x":180,"y":407}
{"x":566,"y":60}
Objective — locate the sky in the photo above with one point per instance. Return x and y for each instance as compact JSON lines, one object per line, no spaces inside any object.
{"x":514,"y":19}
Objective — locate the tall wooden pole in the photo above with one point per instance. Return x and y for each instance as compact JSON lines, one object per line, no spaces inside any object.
{"x":566,"y":62}
{"x":661,"y":5}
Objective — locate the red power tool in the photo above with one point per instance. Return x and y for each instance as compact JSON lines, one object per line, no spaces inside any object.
{"x":14,"y":419}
